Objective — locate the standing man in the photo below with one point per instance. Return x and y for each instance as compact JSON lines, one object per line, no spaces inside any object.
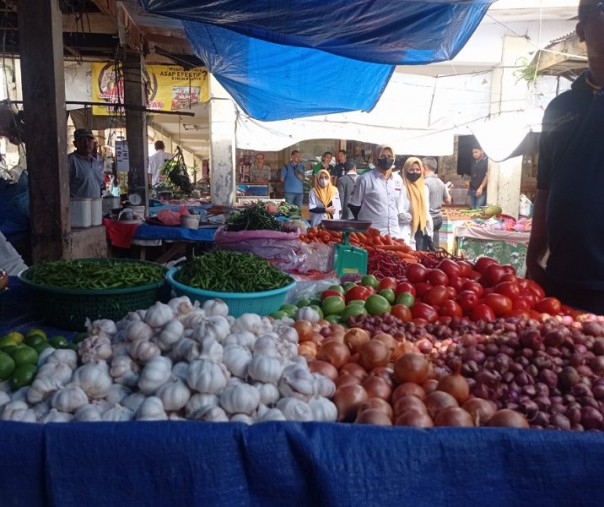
{"x":156,"y":162}
{"x":477,"y":188}
{"x":340,"y":168}
{"x":292,"y":176}
{"x":568,"y":212}
{"x":346,"y":184}
{"x":260,"y":172}
{"x":85,"y":171}
{"x":438,"y":194}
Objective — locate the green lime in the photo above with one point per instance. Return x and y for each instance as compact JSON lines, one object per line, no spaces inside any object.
{"x":58,"y":341}
{"x":25,"y":355}
{"x":289,"y":310}
{"x":9,"y":349}
{"x":278,"y":315}
{"x":358,"y":302}
{"x":71,"y":346}
{"x":8,"y":340}
{"x":33,"y":340}
{"x":333,"y":305}
{"x":333,"y":319}
{"x":44,"y":345}
{"x":23,"y":375}
{"x":35,"y":331}
{"x":303,"y":302}
{"x":353,"y":311}
{"x":7,"y":366}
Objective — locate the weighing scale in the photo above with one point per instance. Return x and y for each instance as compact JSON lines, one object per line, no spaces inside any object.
{"x":348,"y":259}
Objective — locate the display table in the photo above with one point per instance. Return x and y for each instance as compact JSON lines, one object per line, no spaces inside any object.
{"x":295,"y":464}
{"x":507,"y":247}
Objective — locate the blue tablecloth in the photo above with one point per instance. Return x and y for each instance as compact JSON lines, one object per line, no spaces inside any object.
{"x":290,"y":464}
{"x":146,"y":231}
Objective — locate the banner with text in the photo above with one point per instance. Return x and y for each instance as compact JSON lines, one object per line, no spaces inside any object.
{"x":169,"y":87}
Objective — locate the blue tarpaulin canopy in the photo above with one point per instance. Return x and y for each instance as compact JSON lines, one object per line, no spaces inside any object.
{"x":287,"y":59}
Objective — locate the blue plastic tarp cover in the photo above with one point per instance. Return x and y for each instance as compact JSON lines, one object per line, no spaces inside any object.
{"x":282,"y":60}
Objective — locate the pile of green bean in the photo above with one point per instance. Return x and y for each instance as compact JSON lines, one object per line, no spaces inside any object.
{"x":224,"y":271}
{"x":254,"y":218}
{"x":101,"y":274}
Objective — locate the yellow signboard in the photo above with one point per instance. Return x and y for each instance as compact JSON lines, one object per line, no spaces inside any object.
{"x":169,"y":87}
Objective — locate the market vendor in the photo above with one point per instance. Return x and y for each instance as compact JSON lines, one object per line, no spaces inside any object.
{"x":85,"y":171}
{"x":323,"y":199}
{"x":14,"y":209}
{"x":260,"y":172}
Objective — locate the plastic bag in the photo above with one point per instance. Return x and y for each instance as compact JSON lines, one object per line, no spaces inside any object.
{"x":526,"y":206}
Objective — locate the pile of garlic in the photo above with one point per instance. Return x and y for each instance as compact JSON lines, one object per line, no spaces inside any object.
{"x":176,"y":361}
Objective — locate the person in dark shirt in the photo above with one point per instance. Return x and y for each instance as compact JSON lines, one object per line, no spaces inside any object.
{"x":346,"y":185}
{"x":340,"y":168}
{"x":569,"y":209}
{"x":477,"y":187}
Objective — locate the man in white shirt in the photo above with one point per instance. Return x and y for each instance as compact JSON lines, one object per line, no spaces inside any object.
{"x":156,"y":161}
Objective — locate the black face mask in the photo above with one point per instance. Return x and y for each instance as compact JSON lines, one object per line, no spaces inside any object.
{"x":385,"y":163}
{"x":413,"y":176}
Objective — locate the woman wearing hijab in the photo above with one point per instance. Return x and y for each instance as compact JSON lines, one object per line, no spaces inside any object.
{"x":415,"y":220}
{"x":323,"y":199}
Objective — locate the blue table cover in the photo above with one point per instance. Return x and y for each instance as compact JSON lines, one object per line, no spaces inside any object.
{"x":295,"y":464}
{"x":146,"y":231}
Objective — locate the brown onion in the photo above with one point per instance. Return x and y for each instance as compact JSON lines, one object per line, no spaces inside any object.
{"x":414,"y":418}
{"x":348,"y":399}
{"x":408,"y":388}
{"x":430,"y":385}
{"x":304,"y":330}
{"x":334,"y":353}
{"x":379,"y":404}
{"x":480,"y":410}
{"x":386,"y":339}
{"x":456,"y":385}
{"x":373,"y":354}
{"x":509,"y":419}
{"x":373,"y":416}
{"x":438,"y":401}
{"x":354,"y":369}
{"x":377,"y":387}
{"x":408,"y":402}
{"x":355,"y":338}
{"x":411,"y":368}
{"x":347,"y":380}
{"x":385,"y":372}
{"x":324,"y":368}
{"x":308,"y":349}
{"x":454,"y":416}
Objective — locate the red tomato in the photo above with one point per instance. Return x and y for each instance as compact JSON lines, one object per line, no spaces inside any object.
{"x":530,"y":296}
{"x":474,"y":275}
{"x":467,"y":299}
{"x":451,"y":292}
{"x":422,"y":287}
{"x":499,"y":303}
{"x":465,"y":268}
{"x":493,"y":274}
{"x":405,"y":287}
{"x":510,"y":278}
{"x":424,"y":311}
{"x":436,"y":295}
{"x":534,"y":315}
{"x":473,"y":286}
{"x":388,"y":283}
{"x":483,"y":312}
{"x":359,"y":293}
{"x":456,"y":282}
{"x":438,"y":277}
{"x":402,"y":312}
{"x":549,"y":305}
{"x":451,"y":309}
{"x":509,"y":270}
{"x":417,"y":273}
{"x":481,"y":264}
{"x":449,"y":267}
{"x":445,"y":320}
{"x":522,"y":303}
{"x":536,"y":288}
{"x":420,"y":322}
{"x":518,"y":313}
{"x":327,"y":293}
{"x":523,"y":283}
{"x":509,"y":289}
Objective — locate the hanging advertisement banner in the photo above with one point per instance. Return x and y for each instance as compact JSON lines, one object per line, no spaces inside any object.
{"x":169,"y":87}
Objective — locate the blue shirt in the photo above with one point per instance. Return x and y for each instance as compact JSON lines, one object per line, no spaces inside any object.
{"x":292,"y":182}
{"x":85,"y":176}
{"x":571,"y":168}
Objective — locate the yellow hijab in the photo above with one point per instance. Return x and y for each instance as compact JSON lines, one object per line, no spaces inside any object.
{"x":325,"y":194}
{"x":417,"y":196}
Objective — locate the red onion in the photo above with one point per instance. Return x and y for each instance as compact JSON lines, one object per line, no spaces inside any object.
{"x":591,"y":418}
{"x":560,"y":421}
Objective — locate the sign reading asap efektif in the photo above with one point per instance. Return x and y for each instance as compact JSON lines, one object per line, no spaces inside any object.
{"x":169,"y":87}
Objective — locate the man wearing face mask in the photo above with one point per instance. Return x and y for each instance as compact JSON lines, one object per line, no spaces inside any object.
{"x":323,"y":199}
{"x":376,"y":197}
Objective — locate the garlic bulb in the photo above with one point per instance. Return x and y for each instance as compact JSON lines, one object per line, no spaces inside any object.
{"x":60,"y":372}
{"x":186,"y":349}
{"x":179,"y":370}
{"x":307,"y":313}
{"x":118,"y":413}
{"x":134,"y":401}
{"x":101,"y":326}
{"x":243,"y":338}
{"x":249,"y":322}
{"x":240,"y":399}
{"x":237,"y":358}
{"x":42,"y":358}
{"x":193,"y":319}
{"x":94,"y":379}
{"x":211,"y":349}
{"x":242,"y":418}
{"x":56,"y":416}
{"x":199,"y":401}
{"x":216,"y":307}
{"x":272,"y":414}
{"x":211,"y":414}
{"x":296,"y":379}
{"x":117,"y":393}
{"x":138,"y":330}
{"x":143,"y":350}
{"x":20,"y":414}
{"x":12,"y":407}
{"x":170,"y":334}
{"x":151,"y":409}
{"x":269,"y":393}
{"x":95,"y":347}
{"x":286,"y":333}
{"x":323,"y":409}
{"x":181,"y":305}
{"x":265,"y":369}
{"x":265,"y":345}
{"x":43,"y":387}
{"x":41,"y":409}
{"x":87,"y":413}
{"x":154,"y":374}
{"x":69,"y":399}
{"x":174,"y":394}
{"x":158,"y":315}
{"x":122,"y":365}
{"x":295,"y":410}
{"x":4,"y":399}
{"x":65,"y":356}
{"x":206,"y":376}
{"x":216,"y":326}
{"x":102,"y":406}
{"x":323,"y":386}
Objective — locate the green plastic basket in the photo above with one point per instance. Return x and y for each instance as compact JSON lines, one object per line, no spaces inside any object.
{"x":262,"y":303}
{"x":68,"y":309}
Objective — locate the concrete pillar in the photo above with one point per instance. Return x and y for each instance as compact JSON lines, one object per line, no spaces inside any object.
{"x":504,"y":185}
{"x":222,"y":145}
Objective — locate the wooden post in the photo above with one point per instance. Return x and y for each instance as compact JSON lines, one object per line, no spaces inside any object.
{"x":41,"y":48}
{"x":136,"y":125}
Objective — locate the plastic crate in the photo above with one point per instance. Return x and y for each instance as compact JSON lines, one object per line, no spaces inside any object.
{"x":262,"y":303}
{"x":69,"y":308}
